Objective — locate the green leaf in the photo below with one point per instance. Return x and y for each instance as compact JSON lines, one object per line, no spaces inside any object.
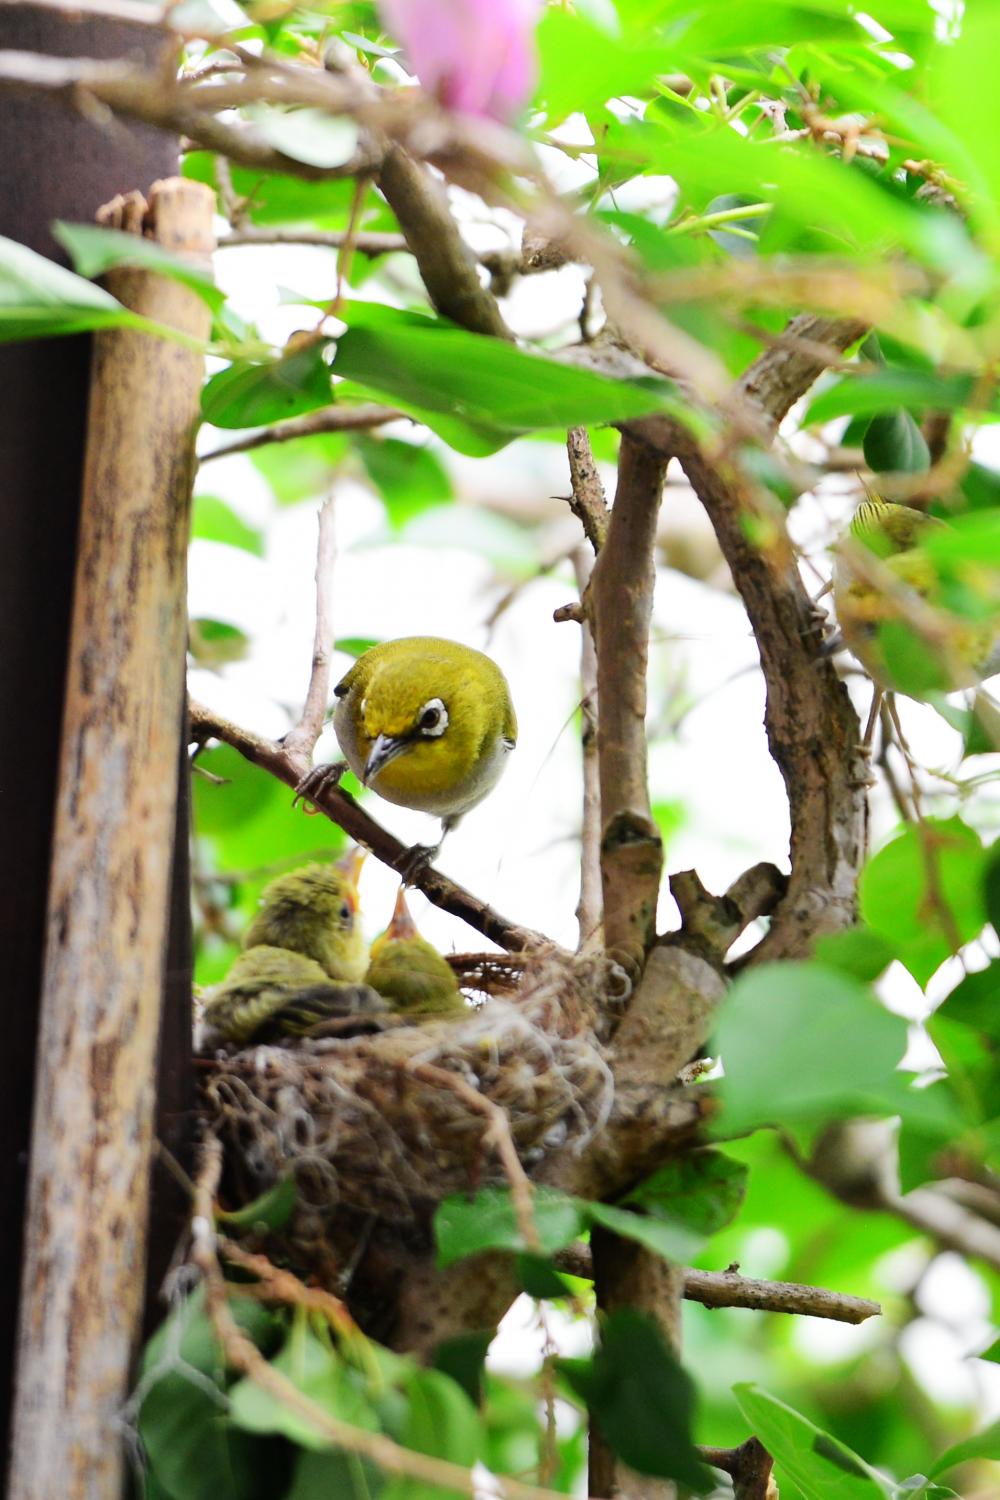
{"x":821,"y":1467}
{"x":272,"y":1210}
{"x":39,"y":299}
{"x":308,"y":135}
{"x":582,"y":66}
{"x":315,"y":1370}
{"x":212,"y":643}
{"x":356,"y":645}
{"x":245,"y":792}
{"x":674,"y":1241}
{"x":479,"y":393}
{"x":440,"y":1421}
{"x":641,"y":1398}
{"x":923,"y":892}
{"x":409,"y":478}
{"x":323,"y":1476}
{"x":303,"y":468}
{"x":802,"y":1044}
{"x":893,"y":443}
{"x":190,"y":1445}
{"x":539,"y":1277}
{"x":682,"y":1203}
{"x":254,"y":394}
{"x":985,"y":1444}
{"x":991,"y":886}
{"x":886,"y":390}
{"x":858,"y":951}
{"x":463,"y":1359}
{"x":464,"y":1225}
{"x":213,"y":520}
{"x":94,"y":250}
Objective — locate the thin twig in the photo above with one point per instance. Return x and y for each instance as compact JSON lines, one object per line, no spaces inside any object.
{"x":327,"y":419}
{"x":587,"y":502}
{"x":301,"y":740}
{"x":342,"y":809}
{"x":370,"y":242}
{"x":274,"y":1284}
{"x":243,"y":1355}
{"x":730,"y":1289}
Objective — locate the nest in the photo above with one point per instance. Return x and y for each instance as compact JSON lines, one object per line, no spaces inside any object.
{"x":389,"y":1124}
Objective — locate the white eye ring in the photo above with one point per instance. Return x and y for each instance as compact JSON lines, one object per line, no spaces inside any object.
{"x":432,"y":720}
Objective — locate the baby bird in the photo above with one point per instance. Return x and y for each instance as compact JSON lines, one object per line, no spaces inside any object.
{"x":274,"y":992}
{"x":409,"y":973}
{"x":426,"y":723}
{"x":314,"y":911}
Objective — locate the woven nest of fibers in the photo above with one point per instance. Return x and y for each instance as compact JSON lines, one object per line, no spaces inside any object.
{"x":391,"y":1123}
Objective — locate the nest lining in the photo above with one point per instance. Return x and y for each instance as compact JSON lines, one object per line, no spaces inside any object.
{"x":360,"y":1129}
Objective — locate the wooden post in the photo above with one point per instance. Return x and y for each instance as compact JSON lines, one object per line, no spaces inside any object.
{"x":106,"y":934}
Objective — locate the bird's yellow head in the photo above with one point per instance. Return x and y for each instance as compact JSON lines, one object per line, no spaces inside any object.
{"x":426,"y":723}
{"x":314,"y":911}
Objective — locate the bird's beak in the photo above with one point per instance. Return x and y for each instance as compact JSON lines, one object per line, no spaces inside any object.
{"x":384,"y":749}
{"x":350,"y":865}
{"x":402,"y":927}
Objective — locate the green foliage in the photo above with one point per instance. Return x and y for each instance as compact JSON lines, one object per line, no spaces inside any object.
{"x":252,"y":394}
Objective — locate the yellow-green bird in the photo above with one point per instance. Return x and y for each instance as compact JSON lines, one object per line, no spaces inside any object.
{"x":274,"y":992}
{"x":314,"y":911}
{"x":893,"y":612}
{"x":426,"y":723}
{"x":409,"y":973}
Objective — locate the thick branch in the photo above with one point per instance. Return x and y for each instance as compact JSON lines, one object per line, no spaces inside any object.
{"x":446,"y":263}
{"x":327,"y":419}
{"x":620,"y":609}
{"x":749,"y":1466}
{"x":345,"y":812}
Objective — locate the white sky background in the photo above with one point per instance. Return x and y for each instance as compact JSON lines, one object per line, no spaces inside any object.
{"x":518,"y":850}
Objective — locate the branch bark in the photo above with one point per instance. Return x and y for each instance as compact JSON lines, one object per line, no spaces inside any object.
{"x":327,"y":419}
{"x":105,"y":944}
{"x":620,"y":606}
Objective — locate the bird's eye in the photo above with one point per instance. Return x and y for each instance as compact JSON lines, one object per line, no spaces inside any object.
{"x":433,"y":718}
{"x":345,"y":913}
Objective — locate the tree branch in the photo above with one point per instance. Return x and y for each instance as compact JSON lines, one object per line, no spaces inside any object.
{"x":446,"y":263}
{"x":587,"y":502}
{"x":620,"y":604}
{"x":749,"y":1466}
{"x":588,"y":909}
{"x":342,"y":809}
{"x":327,"y":419}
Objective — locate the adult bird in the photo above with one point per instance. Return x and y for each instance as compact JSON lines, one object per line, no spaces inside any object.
{"x":426,"y":723}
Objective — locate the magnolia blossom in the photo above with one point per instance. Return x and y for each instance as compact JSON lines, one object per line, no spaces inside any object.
{"x":477,"y":56}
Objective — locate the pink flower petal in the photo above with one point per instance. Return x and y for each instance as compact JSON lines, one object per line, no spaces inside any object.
{"x":477,"y":56}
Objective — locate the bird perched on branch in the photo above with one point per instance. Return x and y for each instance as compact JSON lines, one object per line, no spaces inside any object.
{"x":426,"y":723}
{"x":314,"y":911}
{"x":917,"y":626}
{"x":274,"y":992}
{"x":409,"y":973}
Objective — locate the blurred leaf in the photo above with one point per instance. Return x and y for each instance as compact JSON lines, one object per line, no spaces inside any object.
{"x":641,"y":1398}
{"x":356,"y":645}
{"x":313,"y":136}
{"x":670,"y":817}
{"x":777,"y":1020}
{"x":985,"y":1444}
{"x":94,"y":250}
{"x":441,"y":1421}
{"x":512,"y":549}
{"x":254,"y":394}
{"x":303,"y":468}
{"x":463,"y":1359}
{"x":539,"y":1277}
{"x":857,"y":951}
{"x":316,"y":1371}
{"x":893,"y":443}
{"x":272,"y":1209}
{"x":246,"y":791}
{"x":700,"y":1192}
{"x":409,"y":478}
{"x":323,"y":1476}
{"x":886,"y":391}
{"x":820,"y":1466}
{"x":479,"y":393}
{"x":213,"y":643}
{"x":923,"y":892}
{"x":738,"y":237}
{"x":582,"y":66}
{"x":213,"y":520}
{"x":39,"y":299}
{"x":464,"y":1225}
